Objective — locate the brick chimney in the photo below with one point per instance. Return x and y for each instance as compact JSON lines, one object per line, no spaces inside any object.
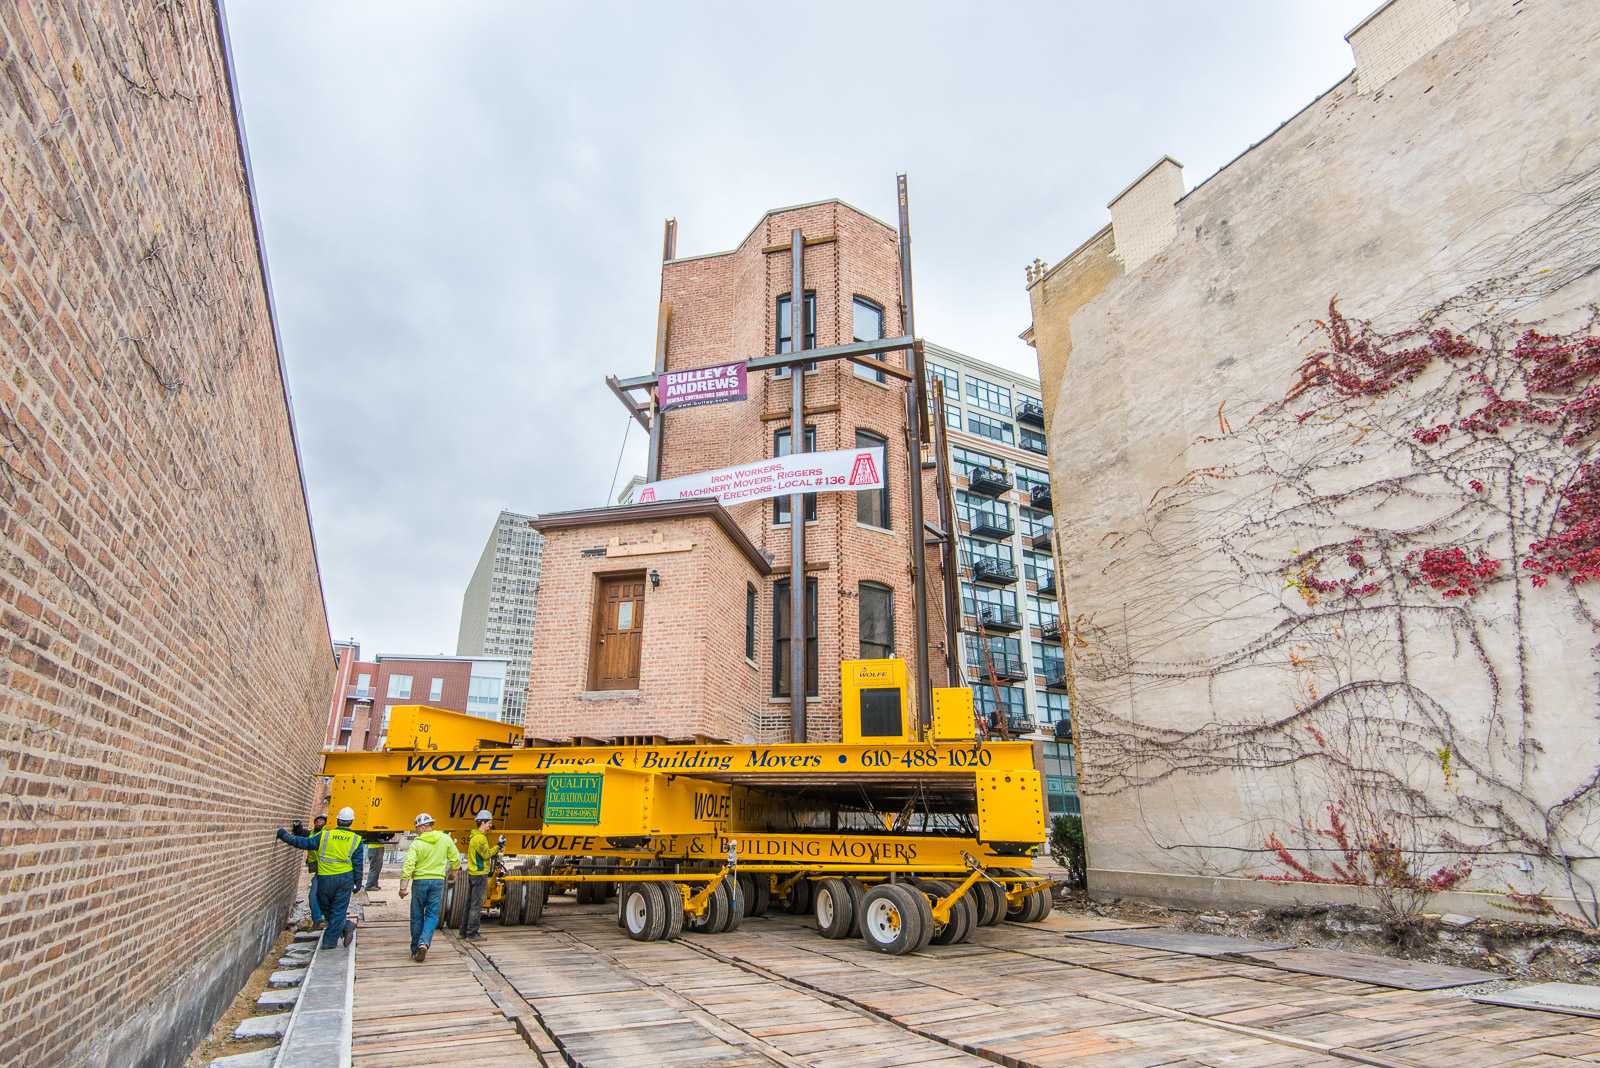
{"x":1398,"y":34}
{"x":1144,"y":216}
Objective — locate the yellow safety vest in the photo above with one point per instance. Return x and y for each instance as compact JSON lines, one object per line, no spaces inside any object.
{"x":333,"y":853}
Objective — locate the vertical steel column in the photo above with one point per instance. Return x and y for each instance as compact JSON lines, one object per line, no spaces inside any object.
{"x":652,"y":464}
{"x":950,"y":557}
{"x":919,"y":573}
{"x":797,"y":502}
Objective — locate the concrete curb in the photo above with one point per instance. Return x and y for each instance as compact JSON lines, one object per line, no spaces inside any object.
{"x":319,"y":1027}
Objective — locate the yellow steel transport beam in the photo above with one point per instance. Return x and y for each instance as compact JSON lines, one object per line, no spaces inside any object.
{"x":721,"y":763}
{"x":424,"y":728}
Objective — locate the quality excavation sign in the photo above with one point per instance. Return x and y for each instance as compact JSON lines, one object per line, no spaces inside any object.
{"x":809,"y":472}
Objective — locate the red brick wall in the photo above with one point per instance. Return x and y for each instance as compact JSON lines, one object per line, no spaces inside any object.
{"x":694,"y":680}
{"x":723,"y":309}
{"x":165,"y":664}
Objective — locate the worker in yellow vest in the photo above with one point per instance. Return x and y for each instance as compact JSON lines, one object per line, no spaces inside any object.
{"x":339,"y":853}
{"x":429,"y":861}
{"x":480,"y":857}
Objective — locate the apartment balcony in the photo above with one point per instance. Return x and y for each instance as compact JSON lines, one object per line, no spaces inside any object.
{"x":1063,"y":730}
{"x":1031,"y":412}
{"x":361,"y":693}
{"x":988,"y":481}
{"x":999,"y":617}
{"x":993,"y":572}
{"x":1039,"y":497}
{"x":1055,"y":676}
{"x":999,"y":667}
{"x":1041,"y":542}
{"x":347,"y":724}
{"x":1015,"y":725}
{"x":1033,"y":445}
{"x":1047,"y":587}
{"x":1051,"y":631}
{"x":991,"y":523}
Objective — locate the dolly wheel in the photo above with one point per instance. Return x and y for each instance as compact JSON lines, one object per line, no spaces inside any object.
{"x":963,"y":914}
{"x":511,"y":903}
{"x":991,"y":902}
{"x":797,"y":902}
{"x":644,"y":912}
{"x":534,"y":895}
{"x":890,"y":921}
{"x":835,"y":908}
{"x":672,"y":899}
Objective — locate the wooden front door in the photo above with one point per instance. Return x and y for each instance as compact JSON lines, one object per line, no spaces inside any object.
{"x":618,"y":628}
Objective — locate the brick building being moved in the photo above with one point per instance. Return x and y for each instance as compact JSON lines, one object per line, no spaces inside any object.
{"x":670,"y":620}
{"x":165,"y":665}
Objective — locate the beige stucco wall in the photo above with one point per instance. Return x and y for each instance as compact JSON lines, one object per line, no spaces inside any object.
{"x":1221,"y":699}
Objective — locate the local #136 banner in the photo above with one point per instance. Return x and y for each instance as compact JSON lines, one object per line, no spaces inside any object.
{"x":809,"y":472}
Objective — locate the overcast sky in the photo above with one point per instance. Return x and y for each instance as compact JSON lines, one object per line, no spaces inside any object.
{"x":463,"y":206}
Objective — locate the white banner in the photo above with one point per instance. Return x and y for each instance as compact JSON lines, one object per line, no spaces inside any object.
{"x":810,"y":472}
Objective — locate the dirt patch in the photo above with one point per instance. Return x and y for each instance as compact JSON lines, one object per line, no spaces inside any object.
{"x":1525,"y":951}
{"x":220,"y":1042}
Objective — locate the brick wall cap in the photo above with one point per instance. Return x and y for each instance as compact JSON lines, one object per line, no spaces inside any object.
{"x":693,"y":508}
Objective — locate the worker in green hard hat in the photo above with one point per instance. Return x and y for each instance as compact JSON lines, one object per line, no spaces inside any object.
{"x":339,"y":854}
{"x":430,"y":860}
{"x":480,"y":857}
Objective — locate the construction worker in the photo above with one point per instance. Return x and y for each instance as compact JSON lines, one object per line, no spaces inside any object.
{"x":377,"y":842}
{"x":429,"y":861}
{"x":479,"y":859}
{"x":339,"y":855}
{"x":311,"y":866}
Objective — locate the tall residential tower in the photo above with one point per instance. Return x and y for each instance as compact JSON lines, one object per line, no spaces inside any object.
{"x":498,"y":609}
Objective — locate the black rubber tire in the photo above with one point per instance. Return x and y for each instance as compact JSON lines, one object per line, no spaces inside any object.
{"x":890,"y":921}
{"x":761,"y":898}
{"x":991,"y":903}
{"x":672,"y":898}
{"x":747,"y":891}
{"x":533,"y":901}
{"x":963,"y":914}
{"x":835,"y":908}
{"x":644,"y":912}
{"x":455,"y":900}
{"x":858,"y":893}
{"x":1037,"y":906}
{"x":735,"y":891}
{"x":512,"y":903}
{"x":920,"y":899}
{"x":797,"y":902}
{"x":1014,"y":912}
{"x":714,"y":918}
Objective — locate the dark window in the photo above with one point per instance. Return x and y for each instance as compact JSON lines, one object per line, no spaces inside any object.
{"x":749,"y":622}
{"x":786,"y":334}
{"x":989,"y":396}
{"x":967,"y":459}
{"x":868,"y":326}
{"x":780,"y":505}
{"x":993,"y":429}
{"x":780,"y":638}
{"x":881,"y":715}
{"x":877,"y":621}
{"x":1032,"y":440}
{"x":872,"y":506}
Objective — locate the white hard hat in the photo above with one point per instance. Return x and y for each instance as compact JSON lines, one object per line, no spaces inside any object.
{"x":484,"y":815}
{"x":346,"y":814}
{"x":423,"y":817}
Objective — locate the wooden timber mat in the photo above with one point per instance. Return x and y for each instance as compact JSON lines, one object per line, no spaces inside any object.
{"x":775,"y":992}
{"x":610,"y":1001}
{"x":410,"y":1015}
{"x":1072,"y":922}
{"x":1173,"y":941}
{"x":1380,"y":971}
{"x":1549,"y":997}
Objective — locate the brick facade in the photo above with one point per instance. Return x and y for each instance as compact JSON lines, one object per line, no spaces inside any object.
{"x":724,"y":308}
{"x":694,"y":679}
{"x":156,"y":561}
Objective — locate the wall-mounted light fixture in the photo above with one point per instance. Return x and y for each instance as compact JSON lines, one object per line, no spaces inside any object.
{"x":655,"y":580}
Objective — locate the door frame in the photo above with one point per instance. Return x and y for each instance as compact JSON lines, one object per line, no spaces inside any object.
{"x":597,"y":616}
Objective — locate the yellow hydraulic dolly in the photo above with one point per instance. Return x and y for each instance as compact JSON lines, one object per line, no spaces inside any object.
{"x":901,"y":841}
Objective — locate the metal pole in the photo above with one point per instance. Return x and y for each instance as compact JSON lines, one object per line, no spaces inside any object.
{"x":918,"y":548}
{"x":947,"y":520}
{"x":652,"y":466}
{"x":797,"y":501}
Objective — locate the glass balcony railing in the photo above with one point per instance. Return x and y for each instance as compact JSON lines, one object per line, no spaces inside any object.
{"x":1039,"y":497}
{"x":991,"y":523}
{"x":1047,"y":585}
{"x":1040,"y":541}
{"x":361,"y":693}
{"x":999,"y":617}
{"x":989,"y":481}
{"x":1031,"y":412}
{"x":994,"y":572}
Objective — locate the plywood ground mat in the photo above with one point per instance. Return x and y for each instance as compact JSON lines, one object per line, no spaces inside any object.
{"x":1380,"y":971}
{"x":1173,"y":941}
